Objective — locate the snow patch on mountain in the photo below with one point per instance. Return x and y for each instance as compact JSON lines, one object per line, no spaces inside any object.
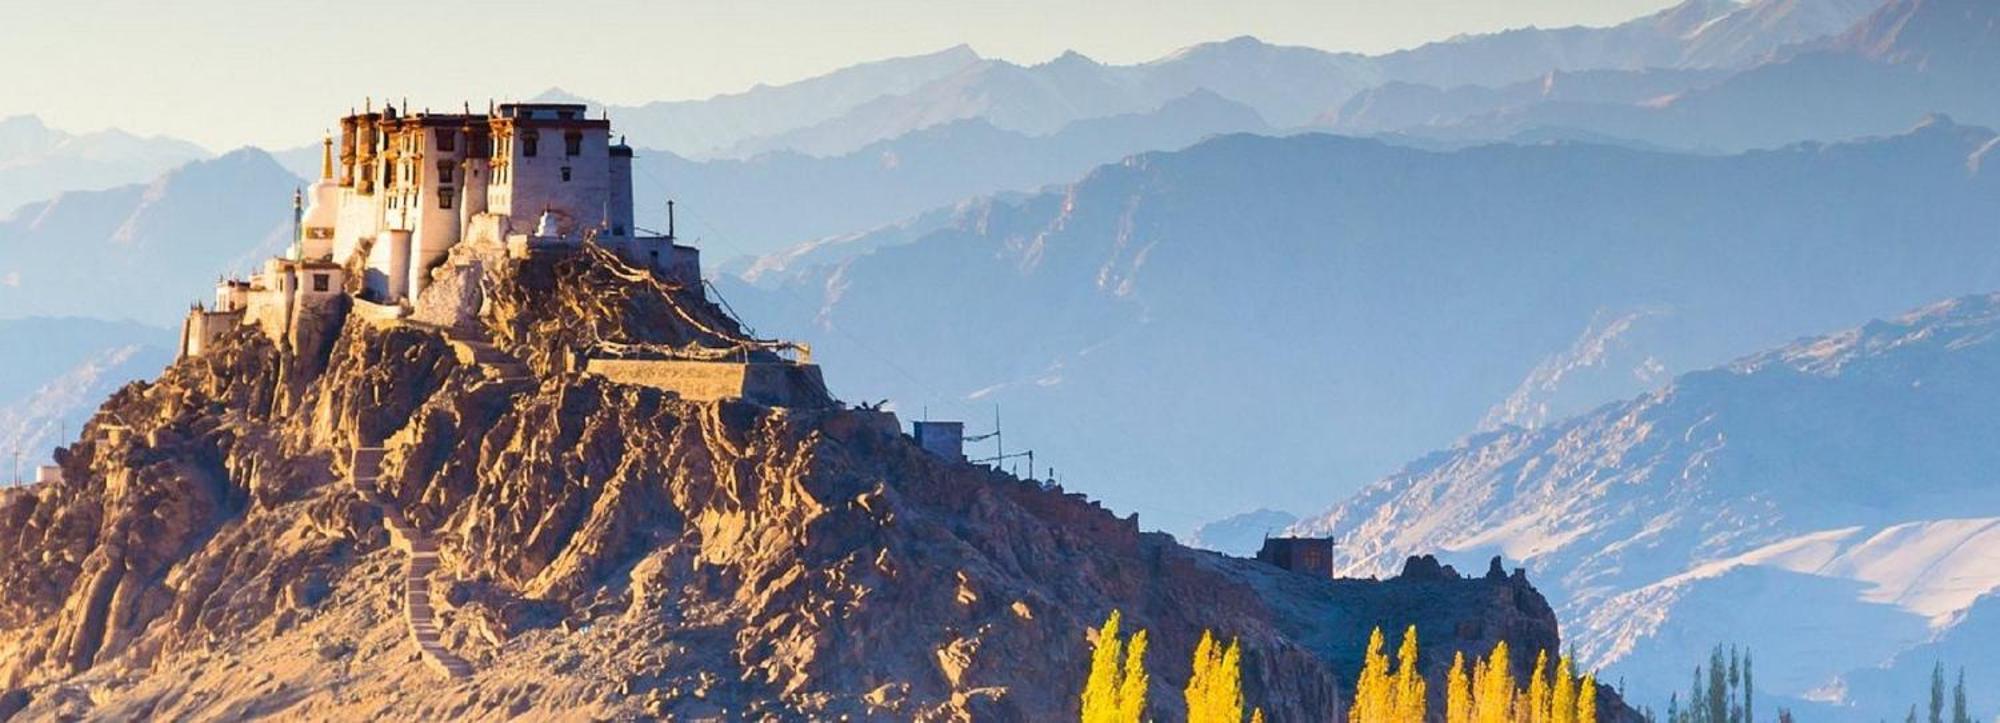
{"x":1778,"y":502}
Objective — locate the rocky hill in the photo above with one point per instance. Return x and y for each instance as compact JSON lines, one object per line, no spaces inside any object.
{"x":607,"y":551}
{"x":1828,"y":503}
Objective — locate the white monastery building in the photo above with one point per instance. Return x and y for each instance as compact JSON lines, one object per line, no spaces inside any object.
{"x":404,"y":189}
{"x":410,"y":203}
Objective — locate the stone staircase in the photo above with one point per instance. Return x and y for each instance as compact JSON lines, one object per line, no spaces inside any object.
{"x":419,"y":611}
{"x":479,"y":351}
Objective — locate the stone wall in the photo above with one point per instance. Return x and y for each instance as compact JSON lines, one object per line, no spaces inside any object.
{"x":773,"y":384}
{"x":202,"y":327}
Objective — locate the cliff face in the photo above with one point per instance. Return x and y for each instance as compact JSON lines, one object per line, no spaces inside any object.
{"x":612,"y":551}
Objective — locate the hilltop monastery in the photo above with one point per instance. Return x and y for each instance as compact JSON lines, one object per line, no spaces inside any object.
{"x":403,"y":190}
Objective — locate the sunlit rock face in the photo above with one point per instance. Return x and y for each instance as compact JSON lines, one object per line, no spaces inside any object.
{"x":613,"y":550}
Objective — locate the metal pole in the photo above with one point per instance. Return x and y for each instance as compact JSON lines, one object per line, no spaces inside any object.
{"x":999,"y":446}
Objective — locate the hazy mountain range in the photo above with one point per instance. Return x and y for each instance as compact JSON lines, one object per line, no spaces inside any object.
{"x":1354,"y":303}
{"x":847,"y":110}
{"x":729,"y":204}
{"x":58,"y":371}
{"x":145,"y":251}
{"x":872,"y":144}
{"x":1908,"y":56}
{"x":37,"y":162}
{"x":1829,"y":503}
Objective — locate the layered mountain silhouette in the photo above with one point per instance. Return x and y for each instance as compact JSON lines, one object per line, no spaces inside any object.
{"x":704,"y":127}
{"x":1355,"y":303}
{"x":37,"y":162}
{"x":1716,"y":34}
{"x":847,"y":110}
{"x":1827,"y":503}
{"x":1906,"y":59}
{"x":729,"y":203}
{"x":58,"y":371}
{"x":146,"y":251}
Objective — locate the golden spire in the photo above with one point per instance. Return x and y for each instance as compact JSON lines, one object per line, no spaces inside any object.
{"x":326,"y":157}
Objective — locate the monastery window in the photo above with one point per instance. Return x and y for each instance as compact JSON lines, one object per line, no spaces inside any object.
{"x":565,"y":172}
{"x":572,"y":144}
{"x":447,"y":140}
{"x":444,"y":197}
{"x":445,"y":171}
{"x":321,"y":283}
{"x":529,"y":141}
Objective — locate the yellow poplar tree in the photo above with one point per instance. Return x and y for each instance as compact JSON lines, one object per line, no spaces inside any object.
{"x":1113,"y":694}
{"x":1196,"y":693}
{"x":1132,"y":689}
{"x":1495,"y":697}
{"x":1586,"y":700}
{"x":1373,"y":690}
{"x":1409,"y":704}
{"x":1457,"y":693}
{"x":1215,"y":689}
{"x":1100,"y":690}
{"x":1225,"y":688}
{"x":1562,"y":706}
{"x":1535,"y":706}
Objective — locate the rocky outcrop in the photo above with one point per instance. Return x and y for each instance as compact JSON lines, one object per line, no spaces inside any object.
{"x":613,"y":551}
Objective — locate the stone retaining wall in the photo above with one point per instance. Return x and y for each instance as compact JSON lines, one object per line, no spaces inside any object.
{"x":773,"y":384}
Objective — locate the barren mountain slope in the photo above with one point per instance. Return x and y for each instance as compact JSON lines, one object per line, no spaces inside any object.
{"x":611,"y":551}
{"x":1829,"y":503}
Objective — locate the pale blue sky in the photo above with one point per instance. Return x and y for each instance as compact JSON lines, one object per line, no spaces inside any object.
{"x":272,"y":72}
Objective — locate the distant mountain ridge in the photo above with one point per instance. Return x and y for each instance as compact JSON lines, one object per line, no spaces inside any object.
{"x":37,"y":161}
{"x":1905,"y":60}
{"x":840,"y":112}
{"x":1777,"y":502}
{"x":145,"y":251}
{"x":703,"y":127}
{"x":1357,"y":303}
{"x":60,"y":369}
{"x":729,"y":202}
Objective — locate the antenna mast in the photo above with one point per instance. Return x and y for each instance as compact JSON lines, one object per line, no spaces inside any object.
{"x":999,"y":445}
